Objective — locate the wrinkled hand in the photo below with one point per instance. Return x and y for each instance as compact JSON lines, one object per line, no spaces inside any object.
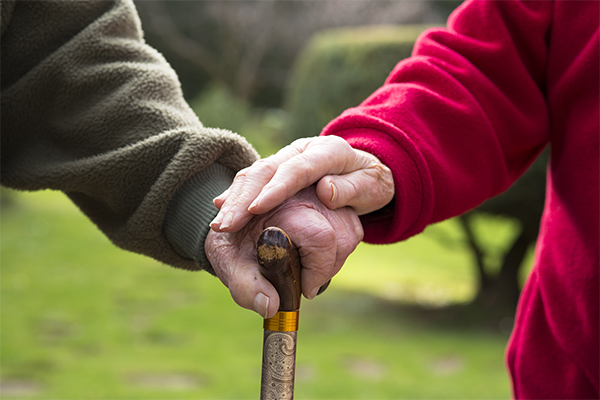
{"x":324,"y":238}
{"x":346,"y":177}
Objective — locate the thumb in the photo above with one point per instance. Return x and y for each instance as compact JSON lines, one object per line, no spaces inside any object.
{"x":365,"y":190}
{"x":249,"y":289}
{"x":233,"y":257}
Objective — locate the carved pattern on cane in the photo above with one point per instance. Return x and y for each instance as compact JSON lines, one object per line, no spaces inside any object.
{"x":279,"y":360}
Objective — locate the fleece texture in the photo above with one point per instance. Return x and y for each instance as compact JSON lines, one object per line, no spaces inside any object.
{"x":461,"y":119}
{"x":91,"y":110}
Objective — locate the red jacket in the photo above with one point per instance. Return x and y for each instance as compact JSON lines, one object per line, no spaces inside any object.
{"x":460,"y":120}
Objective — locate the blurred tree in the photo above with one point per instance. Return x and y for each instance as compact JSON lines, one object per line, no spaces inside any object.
{"x":250,"y":46}
{"x":339,"y":69}
{"x":7,"y":197}
{"x":445,"y":7}
{"x":217,"y":107}
{"x":215,"y":37}
{"x":524,"y":202}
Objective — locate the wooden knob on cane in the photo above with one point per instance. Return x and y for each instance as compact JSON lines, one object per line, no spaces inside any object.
{"x":280,"y":263}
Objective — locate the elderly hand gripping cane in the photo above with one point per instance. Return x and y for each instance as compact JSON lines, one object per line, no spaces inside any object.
{"x":324,"y":237}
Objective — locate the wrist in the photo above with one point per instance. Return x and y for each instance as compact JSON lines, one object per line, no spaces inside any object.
{"x":190,"y":211}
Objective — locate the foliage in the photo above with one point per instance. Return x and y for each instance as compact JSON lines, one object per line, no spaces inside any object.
{"x":82,"y":319}
{"x":446,"y":7}
{"x":340,"y":68}
{"x":250,"y":46}
{"x":217,"y":107}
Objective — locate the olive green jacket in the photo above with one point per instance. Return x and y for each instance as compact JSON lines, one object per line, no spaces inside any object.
{"x":91,"y":110}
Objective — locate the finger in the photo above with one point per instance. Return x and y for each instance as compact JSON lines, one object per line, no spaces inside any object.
{"x":230,"y":221}
{"x":324,"y":238}
{"x":318,"y":251}
{"x":220,"y":199}
{"x":322,"y":156}
{"x":248,"y":183}
{"x":348,"y":234}
{"x":325,"y":251}
{"x":220,"y":221}
{"x":233,"y":214}
{"x":365,"y":190}
{"x":233,"y":258}
{"x":323,"y":287}
{"x":251,"y":290}
{"x":314,"y":237}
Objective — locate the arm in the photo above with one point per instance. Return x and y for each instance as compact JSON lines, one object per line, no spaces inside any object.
{"x":344,"y":176}
{"x":89,"y":109}
{"x":456,"y":123}
{"x":461,"y":119}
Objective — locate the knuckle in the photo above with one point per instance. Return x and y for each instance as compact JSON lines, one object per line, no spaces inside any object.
{"x":336,"y":141}
{"x":263,"y":167}
{"x":301,"y":144}
{"x":307,"y":163}
{"x":241,"y":174}
{"x":288,"y":187}
{"x":354,"y":234}
{"x":358,"y":231}
{"x":300,"y":168}
{"x":350,"y":191}
{"x":382,"y":178}
{"x":325,"y":235}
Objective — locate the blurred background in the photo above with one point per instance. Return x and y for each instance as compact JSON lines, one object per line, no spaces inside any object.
{"x":426,"y":318}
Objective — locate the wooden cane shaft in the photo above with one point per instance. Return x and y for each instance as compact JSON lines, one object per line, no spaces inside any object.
{"x":278,"y":365}
{"x":280,"y":263}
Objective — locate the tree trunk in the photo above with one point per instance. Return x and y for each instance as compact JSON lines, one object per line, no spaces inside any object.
{"x":482,"y":278}
{"x":501,"y":291}
{"x":507,"y":281}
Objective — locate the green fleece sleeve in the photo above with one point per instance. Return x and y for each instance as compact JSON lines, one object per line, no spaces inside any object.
{"x":91,"y":110}
{"x":192,"y":209}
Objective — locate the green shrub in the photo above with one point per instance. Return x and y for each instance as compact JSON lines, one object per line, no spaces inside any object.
{"x":340,"y":68}
{"x":218,"y":108}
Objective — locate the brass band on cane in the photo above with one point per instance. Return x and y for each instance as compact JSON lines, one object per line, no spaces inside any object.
{"x":283,"y":321}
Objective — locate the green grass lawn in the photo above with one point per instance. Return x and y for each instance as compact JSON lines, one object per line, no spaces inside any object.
{"x":81,"y":319}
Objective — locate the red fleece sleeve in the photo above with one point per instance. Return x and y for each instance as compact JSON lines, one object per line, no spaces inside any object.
{"x":461,"y":119}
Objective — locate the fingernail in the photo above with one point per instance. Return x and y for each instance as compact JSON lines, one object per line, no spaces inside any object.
{"x":333,"y":192}
{"x":261,"y":305}
{"x":227,"y":220}
{"x":217,"y":221}
{"x":256,"y":201}
{"x":323,"y":288}
{"x":313,"y":293}
{"x":254,"y":204}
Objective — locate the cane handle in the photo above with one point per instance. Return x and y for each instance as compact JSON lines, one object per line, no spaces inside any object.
{"x":279,"y":262}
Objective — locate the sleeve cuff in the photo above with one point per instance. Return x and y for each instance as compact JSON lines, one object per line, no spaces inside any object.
{"x":410,"y":210}
{"x":191,"y":210}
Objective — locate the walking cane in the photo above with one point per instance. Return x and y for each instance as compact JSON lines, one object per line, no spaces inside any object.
{"x":280,"y":264}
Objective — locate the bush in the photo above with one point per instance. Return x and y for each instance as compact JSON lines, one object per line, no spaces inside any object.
{"x":340,"y":68}
{"x":218,"y":108}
